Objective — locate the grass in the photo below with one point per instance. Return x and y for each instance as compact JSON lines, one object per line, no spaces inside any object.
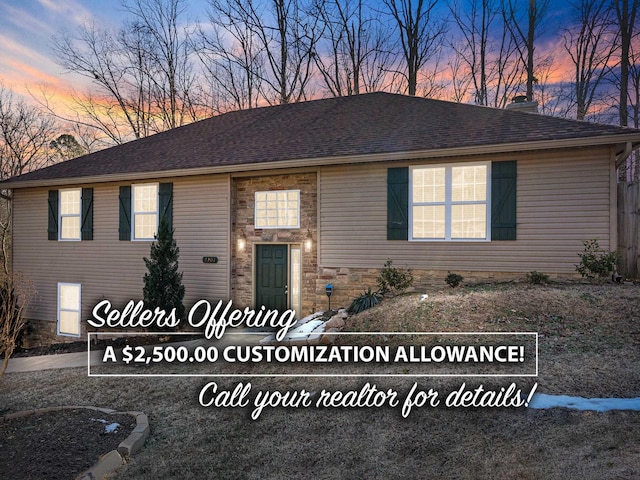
{"x":589,"y":338}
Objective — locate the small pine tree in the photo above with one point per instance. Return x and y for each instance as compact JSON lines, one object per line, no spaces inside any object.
{"x":163,"y":284}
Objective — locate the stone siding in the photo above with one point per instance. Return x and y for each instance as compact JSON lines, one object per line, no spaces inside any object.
{"x":348,"y":283}
{"x":243,"y":203}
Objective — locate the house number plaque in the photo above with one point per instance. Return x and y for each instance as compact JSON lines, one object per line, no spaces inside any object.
{"x":209,"y":259}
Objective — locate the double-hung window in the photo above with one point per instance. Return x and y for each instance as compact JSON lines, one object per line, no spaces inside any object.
{"x":145,"y":211}
{"x":69,"y":309}
{"x":142,"y":207}
{"x":450,"y":202}
{"x":70,"y":214}
{"x":70,"y":201}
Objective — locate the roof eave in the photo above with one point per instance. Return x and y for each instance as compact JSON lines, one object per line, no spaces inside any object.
{"x":620,"y":141}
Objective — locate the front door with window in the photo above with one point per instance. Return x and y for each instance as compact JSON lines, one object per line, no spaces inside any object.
{"x":272,"y":276}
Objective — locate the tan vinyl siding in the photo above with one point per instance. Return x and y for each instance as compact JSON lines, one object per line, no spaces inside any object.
{"x":563,"y":198}
{"x":111,"y":269}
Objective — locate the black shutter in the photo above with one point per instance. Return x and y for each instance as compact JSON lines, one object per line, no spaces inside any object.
{"x":503,"y":200}
{"x":124,"y":228}
{"x":52,"y":229}
{"x":165,"y":194}
{"x":86,"y":230}
{"x":398,"y":203}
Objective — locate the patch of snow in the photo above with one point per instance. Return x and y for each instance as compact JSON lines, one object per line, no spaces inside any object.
{"x":544,"y":401}
{"x":112,"y":427}
{"x":309,"y":318}
{"x":306,"y":328}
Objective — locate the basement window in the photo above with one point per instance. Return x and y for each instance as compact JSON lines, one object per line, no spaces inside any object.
{"x":69,"y":309}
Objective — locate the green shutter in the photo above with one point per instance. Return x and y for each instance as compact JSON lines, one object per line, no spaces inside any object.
{"x":165,"y":193}
{"x":398,"y":203}
{"x":52,"y":229}
{"x":86,"y":229}
{"x":503,"y":200}
{"x":124,"y":228}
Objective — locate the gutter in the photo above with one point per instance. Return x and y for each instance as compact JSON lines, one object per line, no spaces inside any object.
{"x":631,"y":141}
{"x":622,"y":157}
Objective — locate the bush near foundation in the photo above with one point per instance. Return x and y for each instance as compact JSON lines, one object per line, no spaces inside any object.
{"x":537,"y":278}
{"x":394,"y":280}
{"x":596,"y":263}
{"x":453,"y":279}
{"x":365,"y":301}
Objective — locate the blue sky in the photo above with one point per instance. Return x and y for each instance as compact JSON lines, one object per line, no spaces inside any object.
{"x":27,"y":27}
{"x":26,"y":30}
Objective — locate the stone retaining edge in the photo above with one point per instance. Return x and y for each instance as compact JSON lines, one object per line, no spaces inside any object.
{"x":110,"y":461}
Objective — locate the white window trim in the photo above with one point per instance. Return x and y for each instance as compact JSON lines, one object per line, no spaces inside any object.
{"x":255,"y":210}
{"x":133,"y":211}
{"x":448,"y":202}
{"x":295,"y":277}
{"x":61,"y":216}
{"x":79,"y":310}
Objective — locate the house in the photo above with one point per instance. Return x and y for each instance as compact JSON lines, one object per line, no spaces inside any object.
{"x":271,"y":204}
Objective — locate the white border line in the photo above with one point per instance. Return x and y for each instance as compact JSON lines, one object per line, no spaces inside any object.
{"x":304,"y":375}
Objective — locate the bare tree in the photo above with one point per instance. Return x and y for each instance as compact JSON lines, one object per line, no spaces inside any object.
{"x":626,"y":12}
{"x":25,"y":134}
{"x":553,"y":96}
{"x":119,"y":105}
{"x":141,"y":75}
{"x":421,"y":34}
{"x":231,"y":57}
{"x":525,"y":30}
{"x":16,"y":291}
{"x":286,"y":37}
{"x":590,"y":46}
{"x":158,"y":35}
{"x":634,"y":91}
{"x":474,"y":22}
{"x":487,"y":51}
{"x":354,"y":55}
{"x":460,"y":78}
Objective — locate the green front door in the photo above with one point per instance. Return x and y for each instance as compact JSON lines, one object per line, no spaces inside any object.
{"x":272,"y":277}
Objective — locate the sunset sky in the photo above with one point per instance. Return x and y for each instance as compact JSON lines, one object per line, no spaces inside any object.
{"x":26,"y":31}
{"x":28,"y":26}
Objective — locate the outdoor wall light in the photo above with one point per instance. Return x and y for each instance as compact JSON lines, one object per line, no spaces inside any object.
{"x":308,"y":241}
{"x":242,"y":241}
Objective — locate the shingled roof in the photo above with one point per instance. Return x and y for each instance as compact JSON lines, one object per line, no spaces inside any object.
{"x":334,"y":130}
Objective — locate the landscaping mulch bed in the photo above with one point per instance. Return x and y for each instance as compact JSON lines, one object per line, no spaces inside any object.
{"x":59,"y":444}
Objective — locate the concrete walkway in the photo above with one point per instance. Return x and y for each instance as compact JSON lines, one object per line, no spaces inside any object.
{"x":47,"y":362}
{"x":308,"y":329}
{"x":81,"y":359}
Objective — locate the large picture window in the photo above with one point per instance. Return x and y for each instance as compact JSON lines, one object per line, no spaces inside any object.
{"x":69,"y":309}
{"x":277,"y":209}
{"x":450,"y":202}
{"x":145,"y":211}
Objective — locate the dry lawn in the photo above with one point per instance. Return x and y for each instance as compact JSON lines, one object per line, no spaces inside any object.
{"x":589,"y":346}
